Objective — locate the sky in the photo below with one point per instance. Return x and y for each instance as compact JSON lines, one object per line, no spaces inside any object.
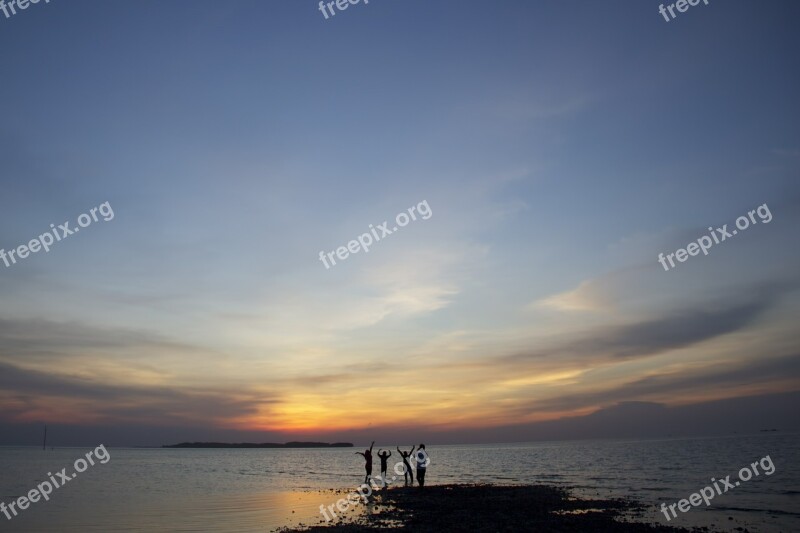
{"x":556,"y":149}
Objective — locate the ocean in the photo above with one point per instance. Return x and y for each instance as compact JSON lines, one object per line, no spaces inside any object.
{"x":263,"y":489}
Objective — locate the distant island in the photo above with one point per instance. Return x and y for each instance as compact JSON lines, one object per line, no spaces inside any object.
{"x":262,"y":445}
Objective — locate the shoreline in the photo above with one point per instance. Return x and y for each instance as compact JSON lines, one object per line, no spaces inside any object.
{"x":488,"y":507}
{"x":294,"y":445}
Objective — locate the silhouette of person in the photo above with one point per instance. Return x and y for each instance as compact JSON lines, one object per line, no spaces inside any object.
{"x":368,"y":457}
{"x":406,"y":462}
{"x":384,"y":457}
{"x":422,"y":465}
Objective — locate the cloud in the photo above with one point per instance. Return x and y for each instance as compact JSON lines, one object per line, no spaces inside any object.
{"x":587,"y":296}
{"x":673,"y":330}
{"x":73,"y":371}
{"x":35,"y":394}
{"x":766,"y":375}
{"x":35,"y":337}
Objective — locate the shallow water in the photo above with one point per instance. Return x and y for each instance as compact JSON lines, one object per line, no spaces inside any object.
{"x":259,"y":490}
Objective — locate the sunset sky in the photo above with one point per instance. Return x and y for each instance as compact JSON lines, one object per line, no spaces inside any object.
{"x":561,"y":146}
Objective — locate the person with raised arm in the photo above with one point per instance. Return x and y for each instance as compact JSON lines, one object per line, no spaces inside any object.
{"x":406,"y":463}
{"x":368,"y":465}
{"x":384,"y":457}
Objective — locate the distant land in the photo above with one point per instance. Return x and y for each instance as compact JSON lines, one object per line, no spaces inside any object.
{"x":262,"y":445}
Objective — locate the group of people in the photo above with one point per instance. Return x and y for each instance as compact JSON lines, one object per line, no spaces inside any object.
{"x":421,"y":458}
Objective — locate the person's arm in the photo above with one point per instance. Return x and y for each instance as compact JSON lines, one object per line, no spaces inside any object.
{"x":390,"y":454}
{"x":361,"y":453}
{"x":412,"y":451}
{"x":398,"y":450}
{"x":371,"y":445}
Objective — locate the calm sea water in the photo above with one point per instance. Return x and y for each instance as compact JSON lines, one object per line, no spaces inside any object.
{"x":260,"y":490}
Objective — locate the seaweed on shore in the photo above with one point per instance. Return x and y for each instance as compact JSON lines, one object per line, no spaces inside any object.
{"x":491,"y":508}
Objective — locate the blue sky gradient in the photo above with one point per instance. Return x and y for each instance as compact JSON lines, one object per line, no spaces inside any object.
{"x":560,"y":145}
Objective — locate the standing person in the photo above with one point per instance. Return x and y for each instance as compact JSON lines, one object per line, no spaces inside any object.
{"x":384,"y":457}
{"x":422,"y":464}
{"x":368,"y":457}
{"x":407,"y":464}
